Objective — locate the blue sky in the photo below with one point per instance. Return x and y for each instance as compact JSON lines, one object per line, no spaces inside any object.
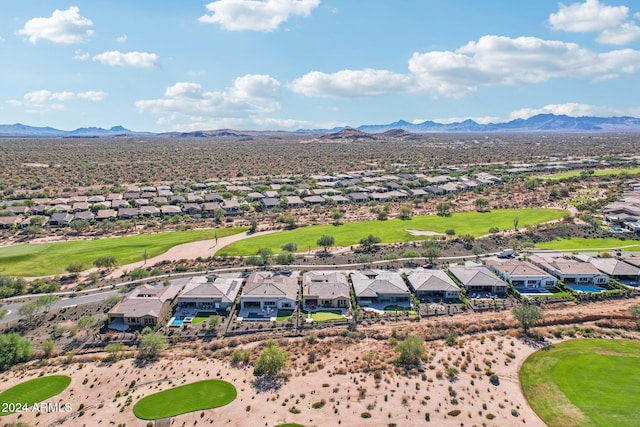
{"x":289,"y":64}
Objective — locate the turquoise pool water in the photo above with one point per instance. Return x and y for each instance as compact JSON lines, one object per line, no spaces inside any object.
{"x":587,"y":288}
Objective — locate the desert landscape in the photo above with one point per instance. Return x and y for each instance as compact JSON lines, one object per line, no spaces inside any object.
{"x":330,"y":376}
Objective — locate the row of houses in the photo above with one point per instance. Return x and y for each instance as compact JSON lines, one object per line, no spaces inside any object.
{"x":207,"y":199}
{"x":262,"y":294}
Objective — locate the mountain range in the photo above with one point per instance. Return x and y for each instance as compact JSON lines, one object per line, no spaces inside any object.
{"x":538,"y":123}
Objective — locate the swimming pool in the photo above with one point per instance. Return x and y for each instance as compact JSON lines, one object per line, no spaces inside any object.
{"x":617,"y":230}
{"x":587,"y":288}
{"x":176,"y":322}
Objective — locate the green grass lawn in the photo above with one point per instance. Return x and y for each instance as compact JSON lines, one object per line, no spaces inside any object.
{"x":289,"y":425}
{"x":601,"y":172}
{"x":52,"y":258}
{"x":325,"y":315}
{"x":586,"y":382}
{"x":202,"y":316}
{"x":192,"y":397}
{"x":395,"y":230}
{"x":579,"y":243}
{"x":34,"y":391}
{"x":283,"y":315}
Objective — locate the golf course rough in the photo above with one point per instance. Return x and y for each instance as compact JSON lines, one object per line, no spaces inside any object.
{"x":585,"y":382}
{"x":186,"y":398}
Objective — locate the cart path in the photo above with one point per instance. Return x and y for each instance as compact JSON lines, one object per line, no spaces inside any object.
{"x":201,"y":248}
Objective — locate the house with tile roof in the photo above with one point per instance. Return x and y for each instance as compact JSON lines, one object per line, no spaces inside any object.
{"x":430,"y":284}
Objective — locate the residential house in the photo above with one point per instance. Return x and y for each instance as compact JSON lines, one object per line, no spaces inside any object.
{"x":231,"y":207}
{"x":294,"y":201}
{"x":478,"y":279}
{"x":107,"y":214}
{"x":17,"y":210}
{"x":145,"y":306}
{"x":84,"y":215}
{"x":430,"y":284}
{"x":207,"y":293}
{"x":191,"y":209}
{"x":80,"y":207}
{"x":314,"y":200}
{"x":325,"y":290}
{"x":60,"y":219}
{"x":170,"y":210}
{"x":209,"y":208}
{"x":128,"y":213}
{"x":269,"y":293}
{"x":358,"y":197}
{"x":269,"y":203}
{"x":380,"y":287}
{"x":149,"y":211}
{"x":618,"y":269}
{"x":570,"y":271}
{"x":338,"y":199}
{"x":10,"y":221}
{"x":522,"y":274}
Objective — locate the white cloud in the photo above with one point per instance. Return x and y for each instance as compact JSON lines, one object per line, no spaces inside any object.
{"x":255,"y":15}
{"x":79,"y":55}
{"x":64,"y":26}
{"x":491,"y":61}
{"x":128,"y":59}
{"x":248,"y":124}
{"x":593,"y":16}
{"x":351,"y":83}
{"x":45,"y":100}
{"x":588,"y":16}
{"x":574,"y":110}
{"x":250,"y":98}
{"x":622,"y":34}
{"x":122,"y":39}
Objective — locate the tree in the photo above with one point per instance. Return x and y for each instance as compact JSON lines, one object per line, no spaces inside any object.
{"x":432,"y":253}
{"x":481,"y":204}
{"x":285,"y":258}
{"x":139,"y":274}
{"x":254,"y":260}
{"x":467,"y":240}
{"x":105,"y":262}
{"x":28,"y":310}
{"x":48,"y":346}
{"x":429,"y":243}
{"x":46,"y":301}
{"x":405,"y":212}
{"x":271,"y":361}
{"x":265,"y":254}
{"x":75,"y":267}
{"x":370,"y":357}
{"x":443,"y":209}
{"x":634,"y":312}
{"x":13,"y":349}
{"x":253,"y":225}
{"x":214,"y":321}
{"x":516,"y":221}
{"x":289,"y":246}
{"x":86,"y":322}
{"x":10,"y":286}
{"x":369,"y":242}
{"x":218,"y":214}
{"x":115,"y":350}
{"x":151,"y":346}
{"x":79,"y":225}
{"x":337,"y":215}
{"x":528,"y":315}
{"x":3,"y":313}
{"x":411,"y":351}
{"x":111,"y":301}
{"x":326,"y":242}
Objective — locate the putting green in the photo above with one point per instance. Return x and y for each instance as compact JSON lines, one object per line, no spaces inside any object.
{"x":192,"y":397}
{"x":586,"y":382}
{"x":474,"y":223}
{"x":23,"y":396}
